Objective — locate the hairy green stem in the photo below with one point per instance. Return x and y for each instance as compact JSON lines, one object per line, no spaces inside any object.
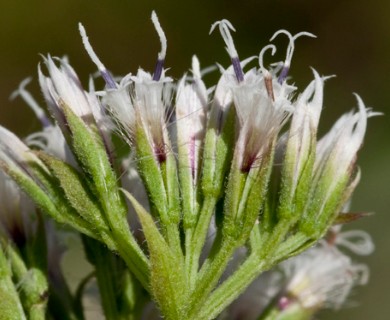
{"x":197,"y":237}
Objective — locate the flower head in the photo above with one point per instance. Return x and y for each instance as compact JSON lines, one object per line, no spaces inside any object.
{"x":191,"y":117}
{"x":321,"y":277}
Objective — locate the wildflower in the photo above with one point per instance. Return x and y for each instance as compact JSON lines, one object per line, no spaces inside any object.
{"x":191,"y":117}
{"x":208,"y":217}
{"x":322,"y":277}
{"x":50,"y":138}
{"x":332,"y":181}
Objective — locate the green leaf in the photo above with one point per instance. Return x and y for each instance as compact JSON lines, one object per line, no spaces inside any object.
{"x":77,"y":193}
{"x":91,"y":154}
{"x":151,"y":175}
{"x":217,"y":155}
{"x":48,"y":197}
{"x":168,"y":284}
{"x":245,"y":196}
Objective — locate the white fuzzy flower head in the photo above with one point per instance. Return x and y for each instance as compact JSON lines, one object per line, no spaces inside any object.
{"x":263,"y":103}
{"x":50,"y":138}
{"x":119,"y":103}
{"x":139,"y":100}
{"x":150,"y":100}
{"x":337,"y":150}
{"x":191,"y":104}
{"x":63,"y":87}
{"x":303,"y":129}
{"x":322,"y":277}
{"x":259,"y":116}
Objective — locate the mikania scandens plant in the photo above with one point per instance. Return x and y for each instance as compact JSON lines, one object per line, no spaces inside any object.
{"x":227,"y":183}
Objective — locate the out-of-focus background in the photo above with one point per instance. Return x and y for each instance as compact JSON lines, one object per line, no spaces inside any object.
{"x":353,"y":43}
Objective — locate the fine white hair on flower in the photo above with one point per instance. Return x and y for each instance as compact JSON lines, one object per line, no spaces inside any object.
{"x":223,"y":97}
{"x":63,"y":85}
{"x":119,"y":104}
{"x":52,"y":141}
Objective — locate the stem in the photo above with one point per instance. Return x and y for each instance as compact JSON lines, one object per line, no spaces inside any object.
{"x":294,"y":311}
{"x":232,"y":287}
{"x":195,"y":238}
{"x":78,"y":297}
{"x":38,"y":312}
{"x":134,"y":257}
{"x":209,"y":276}
{"x":173,"y":238}
{"x":257,"y":262}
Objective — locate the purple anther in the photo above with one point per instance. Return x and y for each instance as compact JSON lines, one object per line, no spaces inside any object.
{"x":283,"y":74}
{"x":107,"y":76}
{"x":158,"y":70}
{"x":46,"y":123}
{"x":237,"y":69}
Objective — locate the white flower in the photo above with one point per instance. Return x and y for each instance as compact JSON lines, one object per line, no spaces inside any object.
{"x":321,"y":277}
{"x":191,"y":116}
{"x":336,"y":152}
{"x":14,"y":153}
{"x":141,"y":99}
{"x":260,"y":117}
{"x":50,"y":138}
{"x":63,"y":87}
{"x":118,"y":103}
{"x":303,"y":130}
{"x":150,"y":100}
{"x":262,"y":104}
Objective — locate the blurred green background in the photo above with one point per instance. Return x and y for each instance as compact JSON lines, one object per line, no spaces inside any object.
{"x":353,"y":43}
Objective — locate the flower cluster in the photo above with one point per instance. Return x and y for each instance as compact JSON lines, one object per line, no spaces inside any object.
{"x":200,"y":179}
